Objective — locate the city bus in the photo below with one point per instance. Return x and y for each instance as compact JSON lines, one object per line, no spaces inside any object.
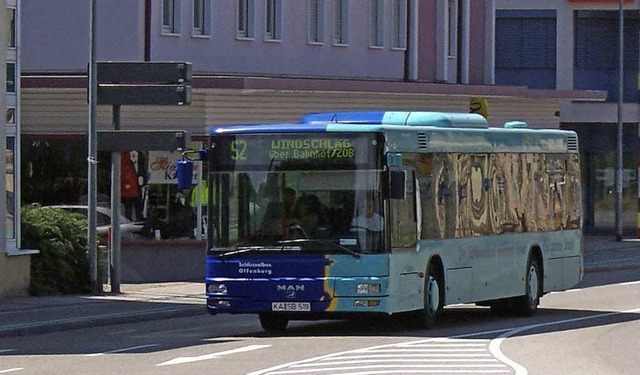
{"x":352,"y":213}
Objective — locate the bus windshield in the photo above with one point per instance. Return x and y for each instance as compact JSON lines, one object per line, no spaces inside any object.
{"x":308,"y":193}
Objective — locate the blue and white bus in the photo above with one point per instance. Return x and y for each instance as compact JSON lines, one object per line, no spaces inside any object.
{"x":388,"y":212}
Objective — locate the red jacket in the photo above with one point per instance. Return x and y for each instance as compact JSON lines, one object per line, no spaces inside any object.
{"x":128,"y":178}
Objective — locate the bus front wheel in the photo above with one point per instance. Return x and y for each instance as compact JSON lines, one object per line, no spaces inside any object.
{"x":527,"y":304}
{"x":273,"y":322}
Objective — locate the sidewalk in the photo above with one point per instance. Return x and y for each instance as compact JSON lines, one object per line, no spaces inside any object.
{"x":140,"y":302}
{"x":136,"y":302}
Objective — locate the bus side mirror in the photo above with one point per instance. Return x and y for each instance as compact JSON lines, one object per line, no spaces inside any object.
{"x":398,"y":184}
{"x":184,"y":174}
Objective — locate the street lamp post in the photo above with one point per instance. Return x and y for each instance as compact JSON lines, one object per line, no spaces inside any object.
{"x":92,"y":155}
{"x":619,"y":130}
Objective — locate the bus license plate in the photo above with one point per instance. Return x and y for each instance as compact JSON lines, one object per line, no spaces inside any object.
{"x":290,"y":306}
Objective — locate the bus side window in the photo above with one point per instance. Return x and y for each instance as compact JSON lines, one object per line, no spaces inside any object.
{"x":403,"y":223}
{"x":398,"y":184}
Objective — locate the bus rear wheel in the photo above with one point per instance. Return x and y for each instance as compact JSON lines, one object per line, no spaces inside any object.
{"x":273,"y":322}
{"x":433,"y":298}
{"x":527,"y":304}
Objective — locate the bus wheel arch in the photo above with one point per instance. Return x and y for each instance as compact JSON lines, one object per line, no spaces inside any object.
{"x":434,"y":292}
{"x":527,"y":304}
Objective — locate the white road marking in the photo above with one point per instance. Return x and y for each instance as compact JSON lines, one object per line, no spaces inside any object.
{"x":629,"y":283}
{"x":390,"y":369}
{"x":11,"y":370}
{"x":180,"y":360}
{"x":462,"y":351}
{"x":439,"y":355}
{"x":121,"y":350}
{"x":434,"y":355}
{"x":447,"y":345}
{"x":8,"y":350}
{"x":595,"y":287}
{"x":494,"y":347}
{"x":423,"y":351}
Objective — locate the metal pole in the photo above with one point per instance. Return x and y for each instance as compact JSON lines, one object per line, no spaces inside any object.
{"x":92,"y":155}
{"x":465,"y":41}
{"x":115,"y":209}
{"x":620,"y":122}
{"x":411,"y":55}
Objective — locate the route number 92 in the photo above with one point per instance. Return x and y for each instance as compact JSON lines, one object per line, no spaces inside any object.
{"x":238,"y":150}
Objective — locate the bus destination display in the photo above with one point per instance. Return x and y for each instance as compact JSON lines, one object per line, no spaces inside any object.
{"x":234,"y":152}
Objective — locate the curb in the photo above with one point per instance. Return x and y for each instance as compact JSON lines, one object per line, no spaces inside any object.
{"x":612,"y":267}
{"x":99,"y":320}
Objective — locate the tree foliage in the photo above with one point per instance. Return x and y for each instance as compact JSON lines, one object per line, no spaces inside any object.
{"x":62,"y":266}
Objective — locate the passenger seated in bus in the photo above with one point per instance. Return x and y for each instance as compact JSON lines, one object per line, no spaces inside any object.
{"x":307,"y":217}
{"x":289,"y":201}
{"x":272,"y":220}
{"x":369,"y":226}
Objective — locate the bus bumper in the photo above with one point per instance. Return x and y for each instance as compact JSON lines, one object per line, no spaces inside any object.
{"x":368,"y":304}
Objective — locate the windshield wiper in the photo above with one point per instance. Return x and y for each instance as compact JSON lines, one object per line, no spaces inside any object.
{"x":317,"y":240}
{"x":240,"y":251}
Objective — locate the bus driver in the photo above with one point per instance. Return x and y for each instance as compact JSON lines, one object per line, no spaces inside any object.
{"x":370,"y":225}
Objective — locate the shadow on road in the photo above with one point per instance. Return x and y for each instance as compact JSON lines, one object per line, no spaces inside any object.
{"x":157,"y":336}
{"x":463,"y":320}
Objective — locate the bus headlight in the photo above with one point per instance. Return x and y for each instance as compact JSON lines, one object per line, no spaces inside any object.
{"x":366,"y":288}
{"x":216,"y":288}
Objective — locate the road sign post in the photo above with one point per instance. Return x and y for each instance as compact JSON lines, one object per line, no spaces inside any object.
{"x":136,"y":83}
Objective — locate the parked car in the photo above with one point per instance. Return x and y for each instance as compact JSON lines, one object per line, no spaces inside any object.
{"x":128,"y":229}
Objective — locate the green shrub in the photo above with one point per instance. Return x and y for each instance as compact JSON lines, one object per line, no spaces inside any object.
{"x":62,"y":266}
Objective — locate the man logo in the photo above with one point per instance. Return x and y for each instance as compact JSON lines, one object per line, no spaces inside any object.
{"x":290,"y":288}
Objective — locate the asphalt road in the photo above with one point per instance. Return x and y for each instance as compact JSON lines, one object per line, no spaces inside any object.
{"x":591,"y":329}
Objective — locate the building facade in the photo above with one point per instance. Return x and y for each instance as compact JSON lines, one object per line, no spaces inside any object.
{"x":573,"y":45}
{"x":268,"y":61}
{"x":14,"y":261}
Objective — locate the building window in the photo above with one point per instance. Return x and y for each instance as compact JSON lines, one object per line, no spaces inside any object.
{"x":11,"y":188}
{"x":340,"y":21}
{"x":399,"y":16}
{"x":273,"y":20}
{"x":11,"y":116}
{"x":11,"y":77}
{"x":245,"y":18}
{"x":149,"y":189}
{"x":376,"y":24}
{"x":316,"y":21}
{"x":200,"y":17}
{"x":11,"y":27}
{"x":452,"y":50}
{"x":596,"y":55}
{"x":525,"y":50}
{"x":171,"y":16}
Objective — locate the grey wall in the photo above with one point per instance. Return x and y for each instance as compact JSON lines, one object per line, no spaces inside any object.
{"x":55,"y":34}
